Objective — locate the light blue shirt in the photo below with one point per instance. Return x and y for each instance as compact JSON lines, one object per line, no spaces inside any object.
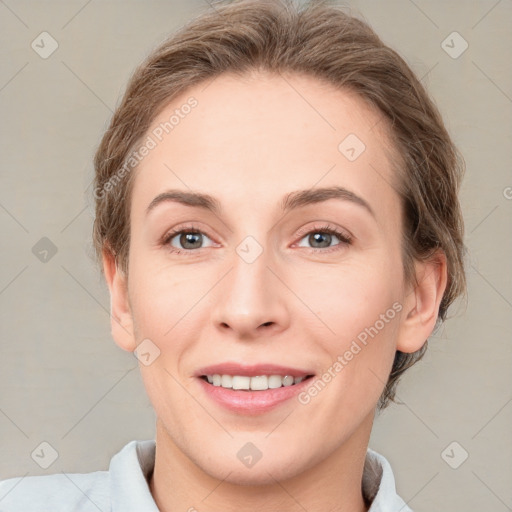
{"x":125,"y":488}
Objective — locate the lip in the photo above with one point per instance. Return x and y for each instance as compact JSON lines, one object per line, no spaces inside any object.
{"x":251,"y":403}
{"x":232,"y":368}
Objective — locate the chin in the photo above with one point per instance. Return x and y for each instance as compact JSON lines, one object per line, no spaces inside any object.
{"x":265,"y":471}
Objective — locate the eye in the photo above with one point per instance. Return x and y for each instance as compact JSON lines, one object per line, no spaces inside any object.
{"x":185,"y":240}
{"x":321,"y":238}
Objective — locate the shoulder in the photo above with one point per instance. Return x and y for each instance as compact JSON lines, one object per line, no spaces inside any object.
{"x":61,"y":492}
{"x":123,"y":487}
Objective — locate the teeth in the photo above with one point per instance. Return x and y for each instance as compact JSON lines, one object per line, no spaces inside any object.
{"x":258,"y":383}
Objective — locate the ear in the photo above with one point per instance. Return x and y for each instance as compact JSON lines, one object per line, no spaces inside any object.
{"x":121,"y":320}
{"x":421,"y":303}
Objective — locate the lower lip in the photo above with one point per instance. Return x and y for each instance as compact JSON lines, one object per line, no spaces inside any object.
{"x":252,"y":402}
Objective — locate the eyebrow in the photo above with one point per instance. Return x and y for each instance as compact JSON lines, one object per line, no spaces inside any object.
{"x":291,"y":201}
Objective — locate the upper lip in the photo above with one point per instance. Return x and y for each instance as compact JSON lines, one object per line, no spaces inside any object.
{"x":232,"y":368}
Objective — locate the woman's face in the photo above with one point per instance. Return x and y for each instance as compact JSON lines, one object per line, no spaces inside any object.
{"x":261,"y":279}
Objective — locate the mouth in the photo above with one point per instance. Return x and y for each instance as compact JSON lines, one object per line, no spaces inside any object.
{"x":254,"y":383}
{"x":252,"y":395}
{"x":252,"y":389}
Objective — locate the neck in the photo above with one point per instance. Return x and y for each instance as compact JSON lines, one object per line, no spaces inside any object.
{"x":334,"y":483}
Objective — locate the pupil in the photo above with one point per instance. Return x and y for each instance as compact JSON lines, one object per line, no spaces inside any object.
{"x":317,"y":237}
{"x":189,"y":238}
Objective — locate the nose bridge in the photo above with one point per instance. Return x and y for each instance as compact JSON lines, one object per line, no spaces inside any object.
{"x":249,"y":296}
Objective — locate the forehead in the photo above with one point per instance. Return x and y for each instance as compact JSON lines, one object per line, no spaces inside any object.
{"x":249,"y":140}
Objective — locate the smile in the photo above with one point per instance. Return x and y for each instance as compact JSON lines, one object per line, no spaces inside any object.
{"x":256,"y":383}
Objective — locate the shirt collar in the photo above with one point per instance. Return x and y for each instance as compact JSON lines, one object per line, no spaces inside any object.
{"x":130,"y":469}
{"x":379,"y":485}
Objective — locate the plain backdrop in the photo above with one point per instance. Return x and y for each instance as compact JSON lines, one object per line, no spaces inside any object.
{"x":63,"y":380}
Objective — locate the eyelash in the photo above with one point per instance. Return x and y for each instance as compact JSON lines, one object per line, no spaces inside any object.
{"x":345,"y":239}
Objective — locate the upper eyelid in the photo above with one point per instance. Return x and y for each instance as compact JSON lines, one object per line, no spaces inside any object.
{"x":325,"y":227}
{"x":190,"y":229}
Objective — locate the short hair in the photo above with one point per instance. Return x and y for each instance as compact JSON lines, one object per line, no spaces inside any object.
{"x":318,"y":40}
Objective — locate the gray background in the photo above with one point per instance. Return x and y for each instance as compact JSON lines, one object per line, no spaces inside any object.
{"x":62,"y":378}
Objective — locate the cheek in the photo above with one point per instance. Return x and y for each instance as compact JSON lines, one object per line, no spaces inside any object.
{"x":358,"y":357}
{"x":348,"y":299}
{"x":355,"y":322}
{"x":169,"y":305}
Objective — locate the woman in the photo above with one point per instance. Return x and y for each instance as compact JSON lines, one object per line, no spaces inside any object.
{"x":279,"y":228}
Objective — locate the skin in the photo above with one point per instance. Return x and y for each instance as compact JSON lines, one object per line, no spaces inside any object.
{"x":249,"y":142}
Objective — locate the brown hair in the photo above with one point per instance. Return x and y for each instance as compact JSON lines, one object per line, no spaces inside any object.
{"x":323,"y":42}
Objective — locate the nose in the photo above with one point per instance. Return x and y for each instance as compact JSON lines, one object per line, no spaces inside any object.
{"x":251,"y":299}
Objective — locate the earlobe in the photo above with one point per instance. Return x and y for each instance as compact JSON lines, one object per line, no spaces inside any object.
{"x":421,"y":304}
{"x":121,"y":320}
